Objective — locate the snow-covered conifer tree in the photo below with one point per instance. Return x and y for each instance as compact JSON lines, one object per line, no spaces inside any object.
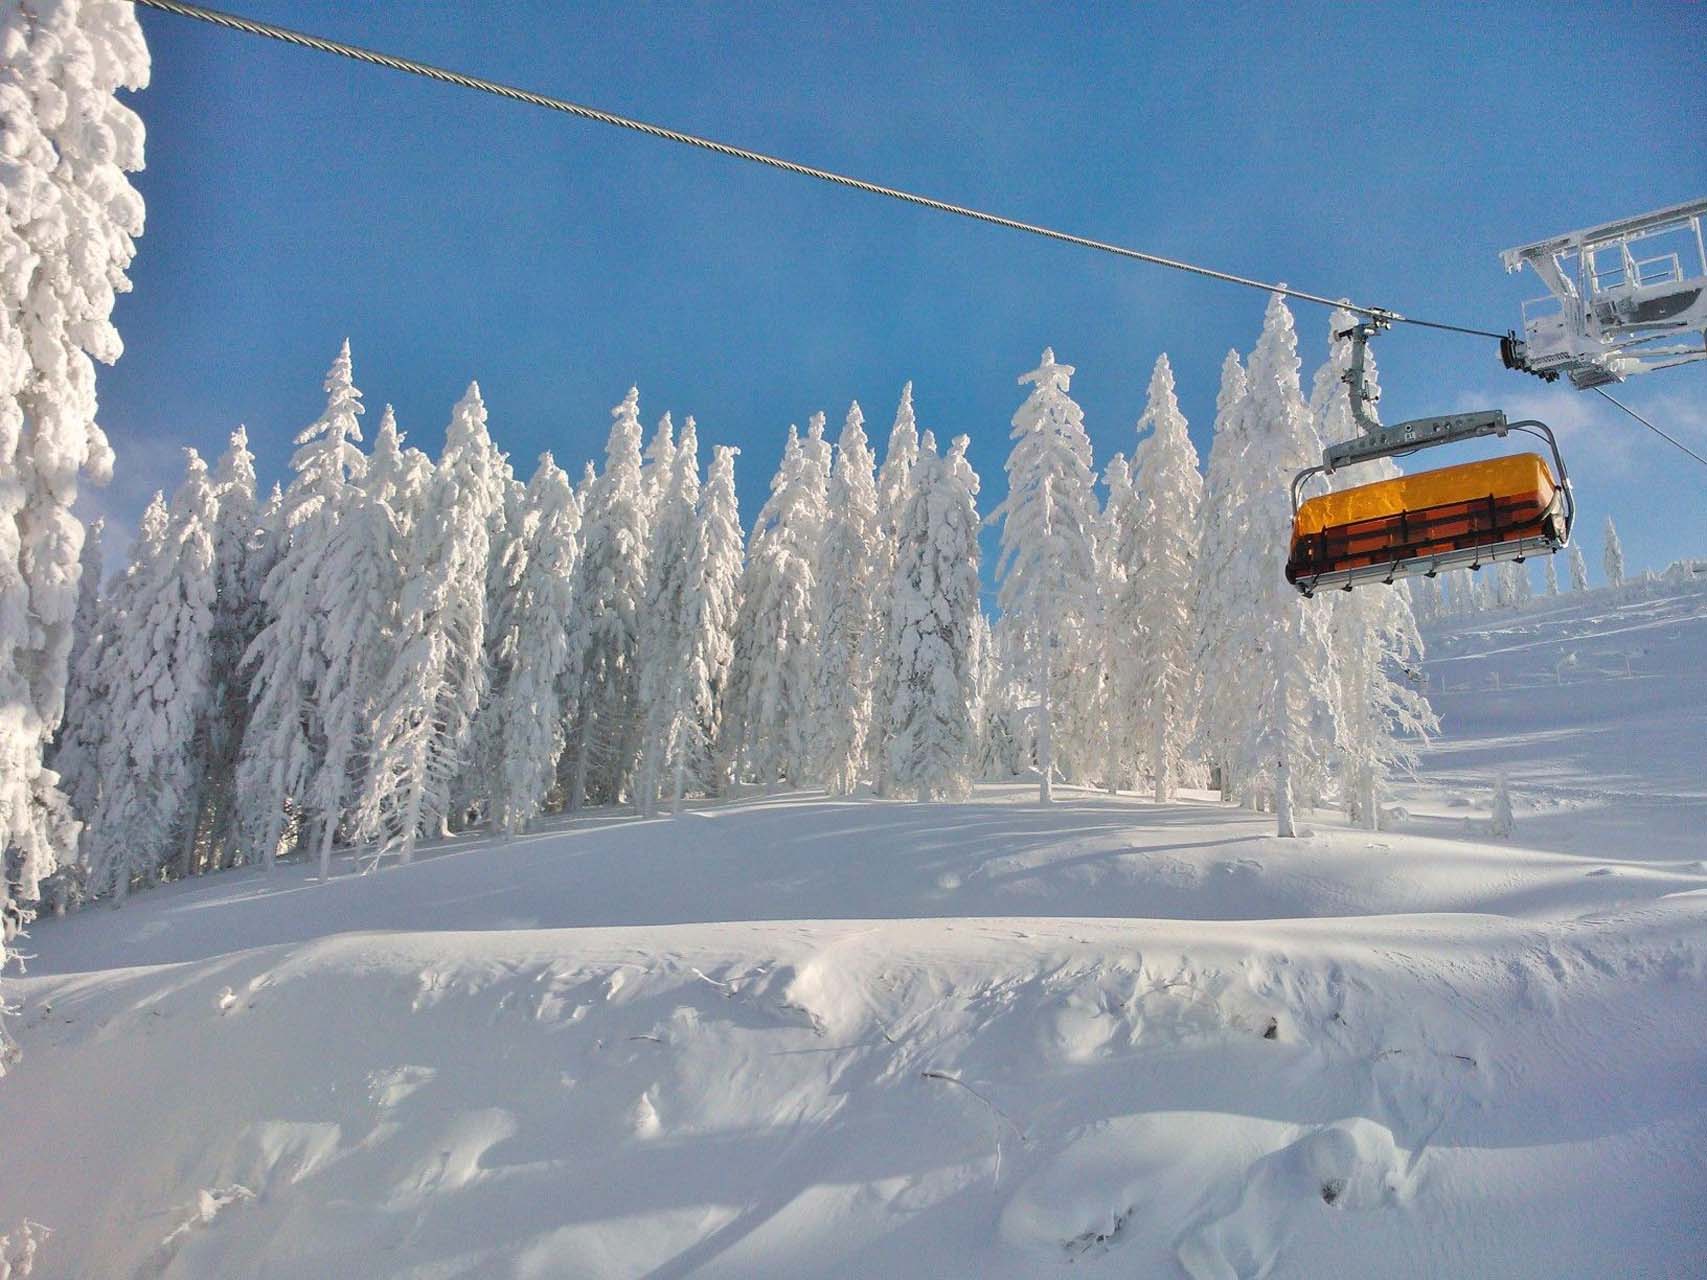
{"x":1376,"y":646}
{"x":933,"y":729}
{"x":1163,"y":555}
{"x":847,"y":567}
{"x":1579,"y":569}
{"x":1222,"y":662}
{"x":357,"y":594}
{"x":68,"y":219}
{"x":1049,"y":521}
{"x":710,"y":605}
{"x":605,"y":625}
{"x":1291,"y":725}
{"x":85,"y":704}
{"x":775,"y":644}
{"x":894,"y":488}
{"x":282,"y":745}
{"x":424,"y":711}
{"x":662,"y":642}
{"x":159,"y":690}
{"x":88,"y":722}
{"x":240,"y":551}
{"x":1120,"y":570}
{"x":1552,"y":576}
{"x":1613,"y":558}
{"x":1513,"y":585}
{"x":657,"y":468}
{"x":544,"y":551}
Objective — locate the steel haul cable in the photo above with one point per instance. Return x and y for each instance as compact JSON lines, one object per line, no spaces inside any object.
{"x":409,"y":65}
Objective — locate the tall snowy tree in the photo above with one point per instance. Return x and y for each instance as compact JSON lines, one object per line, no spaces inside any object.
{"x":544,"y":553}
{"x":423,"y":712}
{"x":284,"y":741}
{"x":91,"y":710}
{"x":160,"y":691}
{"x":775,"y":644}
{"x":1513,"y":585}
{"x":1291,"y":724}
{"x":1612,"y":559}
{"x":68,"y":219}
{"x":241,"y":554}
{"x":605,"y":626}
{"x":934,"y":618}
{"x":1579,"y":569}
{"x":711,"y":603}
{"x":1376,"y":646}
{"x":1163,"y":557}
{"x":85,"y":701}
{"x":1552,"y":576}
{"x":1223,"y":666}
{"x":657,"y":469}
{"x":894,"y":489}
{"x":847,"y":568}
{"x":1049,"y":521}
{"x":662,"y":641}
{"x":1120,"y":567}
{"x":357,"y":589}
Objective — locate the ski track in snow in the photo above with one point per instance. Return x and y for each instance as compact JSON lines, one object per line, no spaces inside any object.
{"x":807,"y":1037}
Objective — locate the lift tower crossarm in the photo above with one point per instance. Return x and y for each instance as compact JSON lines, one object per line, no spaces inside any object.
{"x":1644,"y":224}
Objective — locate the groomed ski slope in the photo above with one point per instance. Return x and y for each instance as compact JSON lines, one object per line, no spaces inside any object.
{"x":784,"y":1036}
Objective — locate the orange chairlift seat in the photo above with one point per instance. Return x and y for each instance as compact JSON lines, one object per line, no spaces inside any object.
{"x":1462,"y":516}
{"x":1498,"y":509}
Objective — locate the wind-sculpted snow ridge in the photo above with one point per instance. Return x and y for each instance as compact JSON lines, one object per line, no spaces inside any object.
{"x":1002,"y":1097}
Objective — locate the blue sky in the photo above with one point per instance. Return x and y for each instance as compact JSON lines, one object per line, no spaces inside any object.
{"x":1384,"y":152}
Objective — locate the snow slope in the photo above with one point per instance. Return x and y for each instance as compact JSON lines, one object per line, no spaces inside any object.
{"x":786,"y":1036}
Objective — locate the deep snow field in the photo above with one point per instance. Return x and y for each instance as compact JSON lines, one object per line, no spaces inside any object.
{"x":785,"y":1036}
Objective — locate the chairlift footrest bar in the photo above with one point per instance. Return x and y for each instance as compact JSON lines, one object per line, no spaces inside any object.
{"x":1428,"y":565}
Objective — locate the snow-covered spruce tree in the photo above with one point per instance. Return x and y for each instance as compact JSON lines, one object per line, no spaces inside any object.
{"x":775,"y":644}
{"x":1164,"y":555}
{"x":358,"y":588}
{"x":933,"y":726}
{"x":240,"y":548}
{"x":1222,"y":662}
{"x":1120,"y":567}
{"x":68,"y":219}
{"x":159,"y":692}
{"x":89,"y":718}
{"x":711,"y":598}
{"x":657,"y":468}
{"x":1005,"y":732}
{"x":1049,"y":521}
{"x":489,"y":473}
{"x":1612,"y":559}
{"x":424,"y":711}
{"x":1376,"y":646}
{"x":544,"y":552}
{"x":1552,"y":576}
{"x":847,"y":567}
{"x":284,"y":742}
{"x":1291,"y":724}
{"x":605,"y":624}
{"x":894,"y":488}
{"x":85,"y":704}
{"x":662,"y":642}
{"x":1513,"y":585}
{"x":1579,"y":569}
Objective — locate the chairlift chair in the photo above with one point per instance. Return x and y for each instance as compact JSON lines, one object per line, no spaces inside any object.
{"x":1463,"y":516}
